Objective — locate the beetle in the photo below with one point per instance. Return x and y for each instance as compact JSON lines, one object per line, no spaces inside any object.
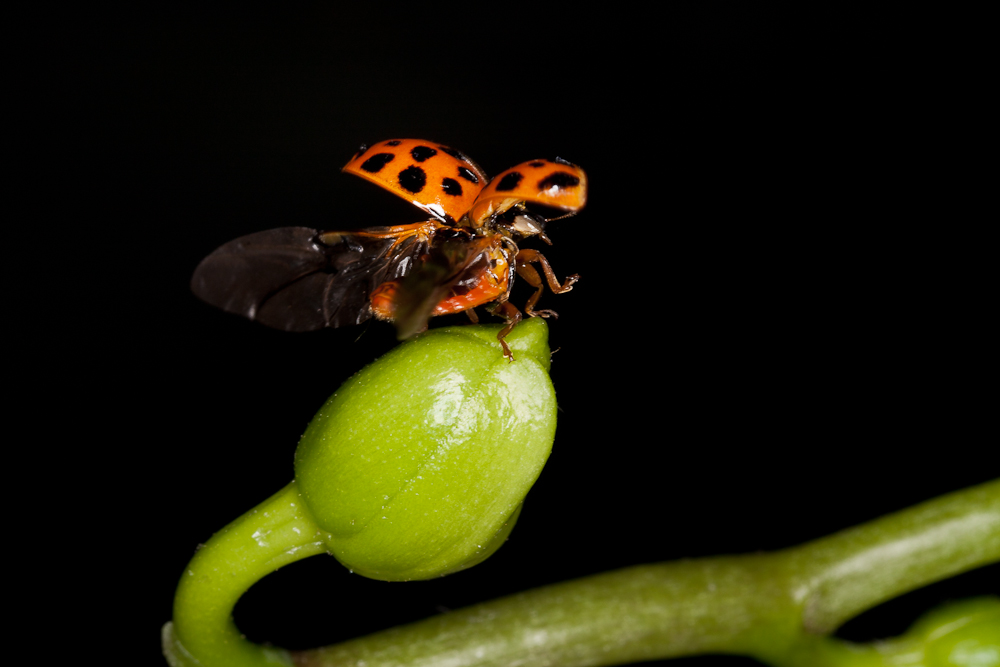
{"x":465,"y":255}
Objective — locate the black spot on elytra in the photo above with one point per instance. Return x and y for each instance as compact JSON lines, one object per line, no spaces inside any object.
{"x":394,"y":142}
{"x":374,"y":164}
{"x":509,"y":182}
{"x":451,"y":187}
{"x":413,"y":179}
{"x":559,"y":179}
{"x":537,"y":163}
{"x":468,"y":175}
{"x":454,"y":153}
{"x":421,"y":153}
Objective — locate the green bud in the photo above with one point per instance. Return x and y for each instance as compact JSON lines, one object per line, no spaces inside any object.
{"x":417,"y":466}
{"x":961,"y":634}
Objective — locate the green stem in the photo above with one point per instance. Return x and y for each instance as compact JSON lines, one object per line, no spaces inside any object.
{"x":856,"y":569}
{"x":777,"y":606}
{"x":273,"y":534}
{"x":772,"y":606}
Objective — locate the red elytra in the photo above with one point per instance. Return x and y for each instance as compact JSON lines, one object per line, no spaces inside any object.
{"x":300,"y":279}
{"x":435,"y":178}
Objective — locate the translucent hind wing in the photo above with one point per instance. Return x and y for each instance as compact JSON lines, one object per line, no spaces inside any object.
{"x":299,"y":279}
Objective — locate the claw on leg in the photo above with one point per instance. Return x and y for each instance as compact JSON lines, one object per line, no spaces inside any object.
{"x":530,"y":275}
{"x":510,"y":313}
{"x":525,"y":257}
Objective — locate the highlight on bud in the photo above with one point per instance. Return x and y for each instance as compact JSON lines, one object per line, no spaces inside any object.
{"x":417,"y":466}
{"x":963,"y":633}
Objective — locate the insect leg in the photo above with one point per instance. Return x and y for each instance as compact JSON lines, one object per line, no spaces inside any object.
{"x":527,"y":256}
{"x":531,"y":276}
{"x":509,"y":312}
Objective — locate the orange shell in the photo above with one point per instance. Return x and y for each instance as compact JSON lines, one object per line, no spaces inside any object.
{"x":558,"y":185}
{"x":435,"y":178}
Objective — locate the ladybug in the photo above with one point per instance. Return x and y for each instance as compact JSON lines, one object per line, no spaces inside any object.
{"x":464,"y":255}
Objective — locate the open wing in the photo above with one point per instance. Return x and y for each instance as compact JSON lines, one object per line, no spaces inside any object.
{"x":300,"y":279}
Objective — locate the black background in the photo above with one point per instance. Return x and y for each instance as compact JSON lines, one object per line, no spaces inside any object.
{"x":781,"y":329}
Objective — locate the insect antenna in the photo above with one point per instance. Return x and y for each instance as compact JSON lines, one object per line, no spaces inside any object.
{"x":364,"y":330}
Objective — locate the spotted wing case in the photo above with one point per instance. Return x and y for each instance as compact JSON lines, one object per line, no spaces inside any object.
{"x":554,"y":183}
{"x":437,"y":179}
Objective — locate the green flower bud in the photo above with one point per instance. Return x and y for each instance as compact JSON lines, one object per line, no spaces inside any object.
{"x":417,"y":466}
{"x":961,"y":634}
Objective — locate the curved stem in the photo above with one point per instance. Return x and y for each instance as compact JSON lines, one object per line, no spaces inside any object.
{"x":771,"y":606}
{"x":858,"y":568}
{"x":273,"y":534}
